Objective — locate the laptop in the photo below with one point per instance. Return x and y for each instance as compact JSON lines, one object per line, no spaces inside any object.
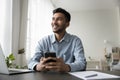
{"x":5,"y":70}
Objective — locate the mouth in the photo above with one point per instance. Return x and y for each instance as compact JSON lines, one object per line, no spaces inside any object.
{"x":55,"y":26}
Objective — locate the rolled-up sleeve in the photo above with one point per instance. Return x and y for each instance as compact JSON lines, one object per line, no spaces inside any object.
{"x":34,"y":61}
{"x":36,"y":58}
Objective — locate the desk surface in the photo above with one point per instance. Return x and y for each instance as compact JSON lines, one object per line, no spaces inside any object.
{"x":48,"y":76}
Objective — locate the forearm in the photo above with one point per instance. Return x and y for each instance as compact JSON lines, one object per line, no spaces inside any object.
{"x":32,"y":64}
{"x":34,"y":60}
{"x":77,"y":66}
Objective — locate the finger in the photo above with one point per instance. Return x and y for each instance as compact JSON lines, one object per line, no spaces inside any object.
{"x":50,"y":59}
{"x":59,"y":60}
{"x":51,"y":64}
{"x":53,"y":58}
{"x":53,"y":68}
{"x":41,"y":59}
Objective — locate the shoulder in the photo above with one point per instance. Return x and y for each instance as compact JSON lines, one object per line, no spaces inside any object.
{"x":73,"y":37}
{"x":75,"y":40}
{"x":46,"y":39}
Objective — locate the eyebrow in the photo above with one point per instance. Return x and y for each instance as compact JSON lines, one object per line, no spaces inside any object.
{"x":57,"y":17}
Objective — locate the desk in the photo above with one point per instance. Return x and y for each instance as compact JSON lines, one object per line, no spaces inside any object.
{"x":47,"y":76}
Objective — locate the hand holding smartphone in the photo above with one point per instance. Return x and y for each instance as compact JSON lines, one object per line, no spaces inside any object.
{"x":50,"y":54}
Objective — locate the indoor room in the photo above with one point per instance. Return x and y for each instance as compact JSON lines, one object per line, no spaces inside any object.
{"x":95,"y":22}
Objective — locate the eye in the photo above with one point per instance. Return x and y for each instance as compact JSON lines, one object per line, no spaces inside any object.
{"x":53,"y":18}
{"x":60,"y":18}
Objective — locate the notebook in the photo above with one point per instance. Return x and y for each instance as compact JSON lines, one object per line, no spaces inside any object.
{"x":5,"y":70}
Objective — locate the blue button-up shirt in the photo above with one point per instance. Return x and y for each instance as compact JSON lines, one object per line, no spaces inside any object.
{"x":69,"y":48}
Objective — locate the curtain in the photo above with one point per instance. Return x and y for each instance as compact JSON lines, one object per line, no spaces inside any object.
{"x":6,"y":26}
{"x":39,"y":23}
{"x":12,"y":21}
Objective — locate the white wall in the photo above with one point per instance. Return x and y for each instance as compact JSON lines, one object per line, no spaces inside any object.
{"x":93,"y":27}
{"x":119,"y":22}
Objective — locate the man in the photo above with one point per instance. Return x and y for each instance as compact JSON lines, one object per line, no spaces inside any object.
{"x":68,"y":48}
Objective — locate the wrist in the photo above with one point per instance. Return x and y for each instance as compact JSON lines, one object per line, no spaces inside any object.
{"x":37,"y":68}
{"x":67,"y":68}
{"x":34,"y":68}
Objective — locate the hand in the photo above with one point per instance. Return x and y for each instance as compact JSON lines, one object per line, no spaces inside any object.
{"x":41,"y":65}
{"x":58,"y":66}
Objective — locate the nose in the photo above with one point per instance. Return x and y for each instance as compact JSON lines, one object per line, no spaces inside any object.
{"x":54,"y":21}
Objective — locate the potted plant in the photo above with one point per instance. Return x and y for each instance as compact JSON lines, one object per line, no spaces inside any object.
{"x":9,"y":60}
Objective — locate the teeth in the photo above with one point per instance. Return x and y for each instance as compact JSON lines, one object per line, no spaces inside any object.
{"x":54,"y":26}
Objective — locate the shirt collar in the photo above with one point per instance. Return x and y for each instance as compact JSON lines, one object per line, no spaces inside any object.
{"x":53,"y":38}
{"x":65,"y":38}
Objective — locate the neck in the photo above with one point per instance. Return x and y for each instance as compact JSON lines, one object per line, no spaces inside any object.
{"x":59,"y":36}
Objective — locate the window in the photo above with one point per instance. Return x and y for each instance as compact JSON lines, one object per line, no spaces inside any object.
{"x":39,"y":23}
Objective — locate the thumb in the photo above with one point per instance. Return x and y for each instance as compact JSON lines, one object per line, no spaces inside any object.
{"x":41,"y":59}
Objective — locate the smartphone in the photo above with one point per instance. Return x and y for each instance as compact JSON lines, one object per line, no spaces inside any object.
{"x":50,"y":54}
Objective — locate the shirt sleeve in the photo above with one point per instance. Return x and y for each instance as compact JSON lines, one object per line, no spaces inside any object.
{"x":36,"y":58}
{"x":79,"y":63}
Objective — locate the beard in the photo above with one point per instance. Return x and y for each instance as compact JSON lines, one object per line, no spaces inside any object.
{"x":58,"y":29}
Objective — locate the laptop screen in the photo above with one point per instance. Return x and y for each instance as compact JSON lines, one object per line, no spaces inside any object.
{"x":3,"y":66}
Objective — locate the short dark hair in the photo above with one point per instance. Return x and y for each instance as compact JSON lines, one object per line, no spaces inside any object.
{"x":60,"y":10}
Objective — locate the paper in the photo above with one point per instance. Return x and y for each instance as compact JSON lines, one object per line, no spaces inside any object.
{"x":99,"y":75}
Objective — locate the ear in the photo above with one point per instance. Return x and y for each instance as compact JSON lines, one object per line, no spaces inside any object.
{"x":67,"y":24}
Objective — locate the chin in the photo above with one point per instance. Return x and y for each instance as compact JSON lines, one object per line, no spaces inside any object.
{"x":56,"y":31}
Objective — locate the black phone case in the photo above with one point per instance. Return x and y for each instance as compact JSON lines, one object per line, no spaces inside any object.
{"x":50,"y":54}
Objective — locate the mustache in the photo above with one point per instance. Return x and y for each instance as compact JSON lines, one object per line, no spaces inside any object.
{"x":55,"y":25}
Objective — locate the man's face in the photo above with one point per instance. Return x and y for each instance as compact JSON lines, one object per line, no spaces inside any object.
{"x":59,"y":23}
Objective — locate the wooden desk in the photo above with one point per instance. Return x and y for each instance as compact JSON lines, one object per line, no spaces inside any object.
{"x":47,"y":76}
{"x":39,"y":76}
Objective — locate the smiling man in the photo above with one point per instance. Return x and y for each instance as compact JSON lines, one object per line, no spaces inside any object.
{"x":68,"y":48}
